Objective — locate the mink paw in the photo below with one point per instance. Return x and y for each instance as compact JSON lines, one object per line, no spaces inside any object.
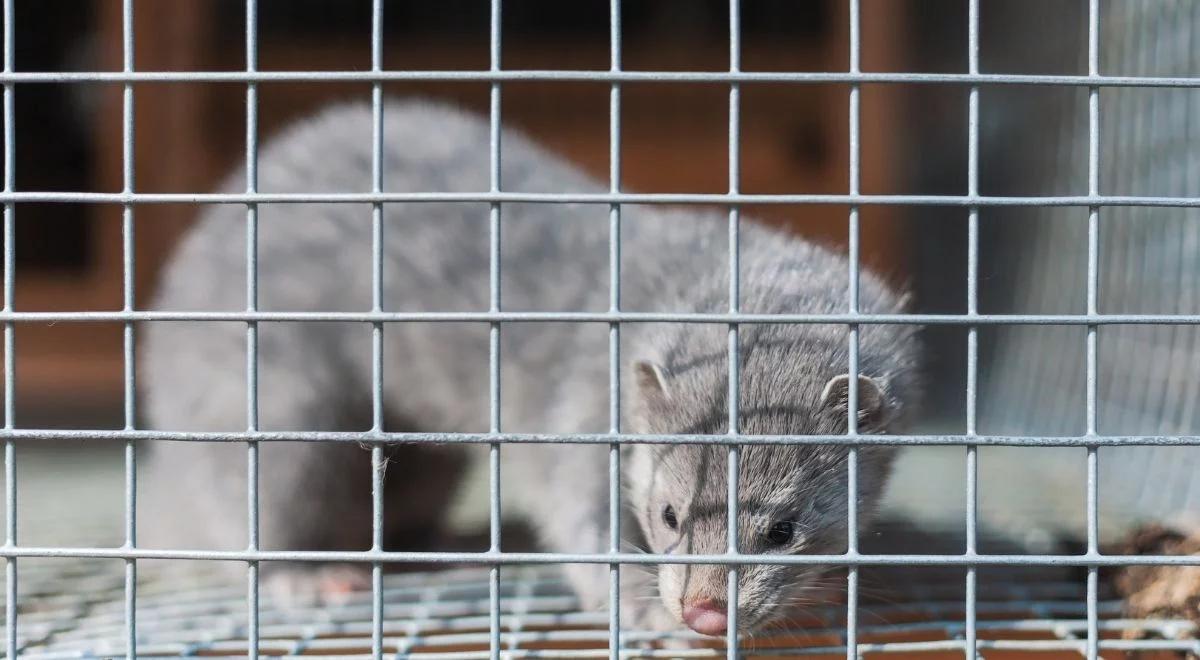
{"x":1160,"y":592}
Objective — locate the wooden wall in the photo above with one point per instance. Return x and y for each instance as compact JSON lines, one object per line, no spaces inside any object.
{"x":794,"y":140}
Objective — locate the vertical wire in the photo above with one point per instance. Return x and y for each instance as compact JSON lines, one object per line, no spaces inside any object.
{"x":852,"y":392}
{"x":10,"y":456}
{"x":378,"y":460}
{"x":252,"y":421}
{"x":1093,"y":275}
{"x":971,"y":647}
{"x":614,"y":332}
{"x":128,"y":244}
{"x":731,"y":524}
{"x":494,"y":333}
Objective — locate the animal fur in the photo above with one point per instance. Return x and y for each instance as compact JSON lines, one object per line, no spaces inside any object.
{"x":315,"y":376}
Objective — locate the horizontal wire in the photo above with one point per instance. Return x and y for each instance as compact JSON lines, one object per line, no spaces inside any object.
{"x":601,"y":317}
{"x":381,"y":437}
{"x":774,"y":651}
{"x":429,"y":652}
{"x":607,"y":198}
{"x":600,"y":76}
{"x":539,"y":558}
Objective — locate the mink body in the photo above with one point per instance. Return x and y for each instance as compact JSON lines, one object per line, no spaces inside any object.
{"x":554,"y":376}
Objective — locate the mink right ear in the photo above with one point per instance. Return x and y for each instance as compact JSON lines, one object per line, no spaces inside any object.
{"x":651,"y":380}
{"x":872,"y":402}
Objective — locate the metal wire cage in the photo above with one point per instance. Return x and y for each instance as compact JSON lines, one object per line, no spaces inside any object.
{"x":514,"y":606}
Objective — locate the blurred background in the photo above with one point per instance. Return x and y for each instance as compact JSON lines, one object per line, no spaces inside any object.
{"x":674,"y":139}
{"x":189,"y":135}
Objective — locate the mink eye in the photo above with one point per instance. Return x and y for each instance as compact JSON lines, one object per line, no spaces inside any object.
{"x":781,"y":533}
{"x":669,"y":518}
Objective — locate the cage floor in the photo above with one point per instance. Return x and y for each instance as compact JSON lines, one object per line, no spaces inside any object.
{"x":76,"y":609}
{"x":72,"y":608}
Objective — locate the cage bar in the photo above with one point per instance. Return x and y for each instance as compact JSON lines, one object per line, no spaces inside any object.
{"x":603,"y":198}
{"x":494,"y":329}
{"x":853,"y":231}
{"x":127,"y":247}
{"x":10,"y":258}
{"x":721,"y":318}
{"x":614,"y":332}
{"x":734,"y":399}
{"x":608,"y":438}
{"x":538,"y":558}
{"x":970,"y":637}
{"x":252,"y":421}
{"x":600,"y":76}
{"x":378,"y":460}
{"x":1093,"y":280}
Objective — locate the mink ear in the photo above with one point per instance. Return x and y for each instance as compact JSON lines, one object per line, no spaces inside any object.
{"x":872,"y":402}
{"x":651,"y":380}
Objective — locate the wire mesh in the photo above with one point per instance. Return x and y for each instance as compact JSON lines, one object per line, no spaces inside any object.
{"x":70,"y":602}
{"x":185,"y":612}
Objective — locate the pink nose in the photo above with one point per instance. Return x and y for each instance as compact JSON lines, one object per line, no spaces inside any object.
{"x":706,"y":617}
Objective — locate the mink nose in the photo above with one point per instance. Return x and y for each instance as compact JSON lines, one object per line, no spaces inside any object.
{"x":706,"y":617}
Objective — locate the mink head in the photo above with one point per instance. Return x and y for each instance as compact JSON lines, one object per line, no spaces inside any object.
{"x":792,"y":498}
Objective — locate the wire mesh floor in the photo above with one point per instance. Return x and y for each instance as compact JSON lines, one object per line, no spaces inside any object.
{"x":75,"y":609}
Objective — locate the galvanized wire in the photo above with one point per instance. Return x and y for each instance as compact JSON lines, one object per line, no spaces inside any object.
{"x":446,"y":615}
{"x":518,"y":558}
{"x":487,"y":613}
{"x":494,"y":380}
{"x":252,"y":400}
{"x":10,"y":454}
{"x":378,"y":460}
{"x":601,"y":76}
{"x":970,"y":632}
{"x":604,"y":438}
{"x":130,"y":388}
{"x":614,"y":333}
{"x":605,"y":198}
{"x":733,"y":398}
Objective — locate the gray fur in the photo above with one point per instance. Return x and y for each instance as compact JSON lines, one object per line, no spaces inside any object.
{"x":554,"y":376}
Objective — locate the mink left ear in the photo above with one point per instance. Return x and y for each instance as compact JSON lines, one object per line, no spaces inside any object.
{"x":872,"y":402}
{"x":651,"y":380}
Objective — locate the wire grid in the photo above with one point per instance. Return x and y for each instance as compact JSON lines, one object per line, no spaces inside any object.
{"x":506,"y":599}
{"x":450,"y":615}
